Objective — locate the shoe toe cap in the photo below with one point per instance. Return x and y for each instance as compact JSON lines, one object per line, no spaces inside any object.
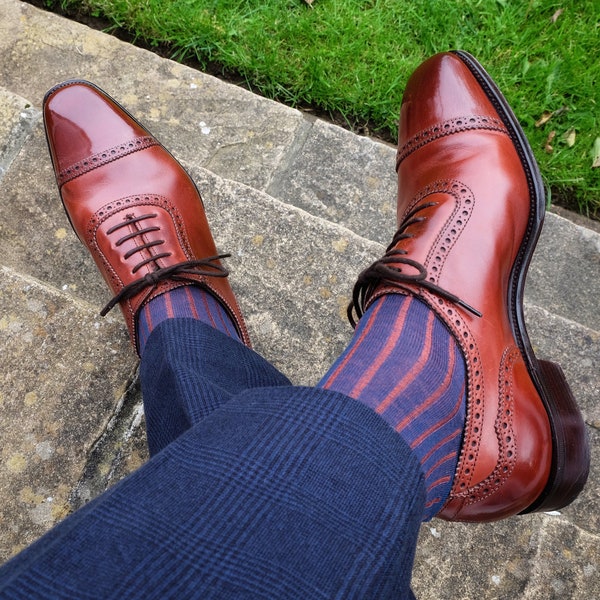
{"x":82,"y":121}
{"x":441,"y":89}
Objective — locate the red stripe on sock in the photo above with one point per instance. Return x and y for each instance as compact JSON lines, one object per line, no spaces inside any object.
{"x":354,"y":348}
{"x":441,"y":443}
{"x":207,"y":309}
{"x":437,"y":482}
{"x":190,"y":299}
{"x":414,"y":372}
{"x":148,"y":316}
{"x":223,"y":317}
{"x":432,"y":502}
{"x":382,"y":355}
{"x":168,"y":305}
{"x":441,"y":461}
{"x":422,"y":407}
{"x":439,"y":424}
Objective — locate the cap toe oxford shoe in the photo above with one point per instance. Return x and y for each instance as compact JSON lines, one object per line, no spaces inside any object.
{"x":470,"y":210}
{"x":130,"y":202}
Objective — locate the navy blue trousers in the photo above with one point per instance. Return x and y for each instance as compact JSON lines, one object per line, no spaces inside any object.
{"x":255,"y":489}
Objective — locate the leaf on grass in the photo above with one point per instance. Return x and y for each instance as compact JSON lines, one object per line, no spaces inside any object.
{"x":547,"y":115}
{"x":548,"y":145}
{"x":596,"y":154}
{"x":309,"y":2}
{"x":557,"y":14}
{"x":569,"y":137}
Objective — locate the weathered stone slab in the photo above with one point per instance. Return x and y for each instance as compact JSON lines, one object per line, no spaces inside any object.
{"x":293,"y":274}
{"x":564,"y":276}
{"x":577,"y":350}
{"x":60,"y":380}
{"x":36,"y":237}
{"x":17,"y":117}
{"x":203,"y":120}
{"x":534,"y":557}
{"x":341,"y":177}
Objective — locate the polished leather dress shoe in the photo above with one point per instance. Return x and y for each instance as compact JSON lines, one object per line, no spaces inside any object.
{"x":131,"y":203}
{"x":470,"y":210}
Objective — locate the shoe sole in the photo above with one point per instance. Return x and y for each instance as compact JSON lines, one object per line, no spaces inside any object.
{"x":570,"y":445}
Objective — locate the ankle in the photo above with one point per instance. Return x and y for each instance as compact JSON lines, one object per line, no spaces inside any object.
{"x":404,"y":364}
{"x":185,"y":302}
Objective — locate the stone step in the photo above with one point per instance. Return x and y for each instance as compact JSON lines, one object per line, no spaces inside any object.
{"x":302,"y":206}
{"x":321,"y":168}
{"x":64,"y":372}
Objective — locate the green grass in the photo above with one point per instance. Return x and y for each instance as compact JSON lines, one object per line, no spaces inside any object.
{"x":352,"y":58}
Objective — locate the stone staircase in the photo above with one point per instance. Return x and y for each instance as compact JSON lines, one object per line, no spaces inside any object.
{"x":302,"y":206}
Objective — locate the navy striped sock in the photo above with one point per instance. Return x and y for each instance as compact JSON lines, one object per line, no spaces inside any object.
{"x":183,"y":302}
{"x":404,"y":364}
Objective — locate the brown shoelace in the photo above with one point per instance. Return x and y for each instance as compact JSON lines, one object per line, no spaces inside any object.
{"x":386,"y":270}
{"x":208,"y":267}
{"x":178,"y":272}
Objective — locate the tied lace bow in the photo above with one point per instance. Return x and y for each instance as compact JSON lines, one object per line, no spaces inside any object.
{"x":183,"y":271}
{"x":388,"y":269}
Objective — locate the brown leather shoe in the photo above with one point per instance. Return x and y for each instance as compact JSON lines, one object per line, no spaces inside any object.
{"x":470,"y":210}
{"x":131,"y":203}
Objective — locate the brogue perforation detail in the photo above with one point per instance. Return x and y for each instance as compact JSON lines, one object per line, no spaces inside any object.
{"x":475,"y":391}
{"x":503,"y":426}
{"x":445,"y":128}
{"x":102,"y":158}
{"x":465,"y":202}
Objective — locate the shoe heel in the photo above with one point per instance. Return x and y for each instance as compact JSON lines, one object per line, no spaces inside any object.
{"x":570,"y":444}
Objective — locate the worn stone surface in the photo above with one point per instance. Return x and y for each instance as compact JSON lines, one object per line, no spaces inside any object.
{"x":535,"y":557}
{"x":17,"y":117}
{"x":564,"y":275}
{"x":119,"y":450}
{"x":37,"y":238}
{"x":59,"y":382}
{"x":577,"y":350}
{"x":72,"y":418}
{"x":293,"y":274}
{"x":320,"y":176}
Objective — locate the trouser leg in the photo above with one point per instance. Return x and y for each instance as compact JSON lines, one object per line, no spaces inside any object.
{"x":189,"y":369}
{"x":281,"y":492}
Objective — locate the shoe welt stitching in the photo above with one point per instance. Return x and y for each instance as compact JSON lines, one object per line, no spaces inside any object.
{"x":445,"y":128}
{"x":106,"y":156}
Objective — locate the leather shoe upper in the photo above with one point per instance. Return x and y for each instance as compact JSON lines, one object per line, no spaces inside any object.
{"x":467,"y":218}
{"x":130,"y":202}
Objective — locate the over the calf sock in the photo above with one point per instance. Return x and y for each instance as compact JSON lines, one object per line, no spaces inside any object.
{"x":189,"y":302}
{"x":404,"y":364}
